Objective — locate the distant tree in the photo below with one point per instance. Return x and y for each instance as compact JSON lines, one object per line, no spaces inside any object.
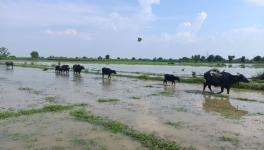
{"x":160,"y":59}
{"x":34,"y":54}
{"x":133,"y":58}
{"x":218,"y":58}
{"x":100,"y":58}
{"x":118,"y":58}
{"x":257,"y":58}
{"x":155,"y":59}
{"x":196,"y":58}
{"x":107,"y":56}
{"x":243,"y":59}
{"x":202,"y":58}
{"x":210,"y":58}
{"x":84,"y":57}
{"x":4,"y":52}
{"x":230,"y":58}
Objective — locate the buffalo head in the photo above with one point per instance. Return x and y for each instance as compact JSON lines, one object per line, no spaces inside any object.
{"x":242,"y":78}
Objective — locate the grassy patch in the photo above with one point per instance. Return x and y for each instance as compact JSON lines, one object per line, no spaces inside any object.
{"x":101,"y":100}
{"x":149,"y":86}
{"x":88,"y":144}
{"x":135,"y":97}
{"x":30,"y":90}
{"x":164,"y":93}
{"x":246,"y":99}
{"x":214,"y":94}
{"x":45,"y":109}
{"x":230,"y":139}
{"x":181,"y":109}
{"x":148,"y":140}
{"x":176,"y":125}
{"x":51,"y":99}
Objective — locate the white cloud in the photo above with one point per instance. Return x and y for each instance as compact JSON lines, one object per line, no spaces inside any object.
{"x":67,"y":32}
{"x":147,"y":5}
{"x":256,"y":2}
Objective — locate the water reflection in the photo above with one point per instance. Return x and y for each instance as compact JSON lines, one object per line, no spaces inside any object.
{"x":223,"y":106}
{"x":106,"y":84}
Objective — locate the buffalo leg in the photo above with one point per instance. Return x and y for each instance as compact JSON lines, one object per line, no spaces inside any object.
{"x":210,"y":88}
{"x":228,"y":89}
{"x":173,"y":83}
{"x":165,"y":82}
{"x":205,"y":85}
{"x":222,"y":90}
{"x":102,"y":75}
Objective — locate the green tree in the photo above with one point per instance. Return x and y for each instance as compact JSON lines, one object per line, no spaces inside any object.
{"x":34,"y":54}
{"x":107,"y":56}
{"x":257,"y":58}
{"x":230,"y":58}
{"x":4,"y":52}
{"x":133,"y":58}
{"x":210,"y":58}
{"x":100,"y":58}
{"x":243,"y":59}
{"x":218,"y":58}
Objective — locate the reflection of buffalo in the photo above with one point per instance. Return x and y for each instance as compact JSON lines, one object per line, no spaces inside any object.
{"x":57,"y":69}
{"x":223,"y":106}
{"x":171,"y":78}
{"x":108,"y":71}
{"x":77,"y":69}
{"x":9,"y":64}
{"x":222,"y":79}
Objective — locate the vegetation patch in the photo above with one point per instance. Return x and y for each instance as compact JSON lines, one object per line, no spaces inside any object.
{"x":228,"y":138}
{"x":176,"y":125}
{"x":45,"y":109}
{"x":135,"y":97}
{"x":101,"y":100}
{"x":246,"y":99}
{"x":148,"y":140}
{"x":215,"y":94}
{"x":181,"y":109}
{"x":30,"y":90}
{"x":51,"y":99}
{"x":88,"y":144}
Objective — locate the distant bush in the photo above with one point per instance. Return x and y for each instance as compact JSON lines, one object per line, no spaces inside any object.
{"x":259,"y":76}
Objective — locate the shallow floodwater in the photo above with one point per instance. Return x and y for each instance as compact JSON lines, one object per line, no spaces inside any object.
{"x":248,"y":70}
{"x":182,"y":113}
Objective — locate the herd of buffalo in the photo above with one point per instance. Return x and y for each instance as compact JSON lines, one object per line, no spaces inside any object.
{"x":224,"y":80}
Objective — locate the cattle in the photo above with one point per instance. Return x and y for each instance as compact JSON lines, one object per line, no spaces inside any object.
{"x":107,"y":71}
{"x":171,"y":78}
{"x":223,"y":79}
{"x":9,"y":64}
{"x":77,"y":69}
{"x":64,"y":69}
{"x":57,"y":68}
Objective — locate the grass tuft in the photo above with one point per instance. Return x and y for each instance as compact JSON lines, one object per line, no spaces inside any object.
{"x":101,"y":100}
{"x":148,"y":140}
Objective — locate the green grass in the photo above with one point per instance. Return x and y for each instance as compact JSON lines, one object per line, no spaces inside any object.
{"x":181,"y":109}
{"x":176,"y":125}
{"x":45,"y":109}
{"x":214,"y":94}
{"x":101,"y":100}
{"x":230,"y":139}
{"x":135,"y":97}
{"x":166,"y":93}
{"x":51,"y":99}
{"x":148,"y":140}
{"x":246,"y":99}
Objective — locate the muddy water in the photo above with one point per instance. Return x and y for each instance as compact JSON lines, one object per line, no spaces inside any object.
{"x":201,"y":121}
{"x":248,"y":70}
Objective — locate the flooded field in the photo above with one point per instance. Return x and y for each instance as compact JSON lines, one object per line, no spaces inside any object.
{"x":248,"y":70}
{"x":182,"y":114}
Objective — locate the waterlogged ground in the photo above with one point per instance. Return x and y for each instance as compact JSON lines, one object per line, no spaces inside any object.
{"x":182,"y":113}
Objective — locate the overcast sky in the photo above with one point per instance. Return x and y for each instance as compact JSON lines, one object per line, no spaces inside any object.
{"x":169,"y":28}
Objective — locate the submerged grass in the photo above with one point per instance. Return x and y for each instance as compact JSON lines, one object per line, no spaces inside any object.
{"x":101,"y":100}
{"x":51,"y":99}
{"x":230,"y":139}
{"x":45,"y":109}
{"x":148,"y":140}
{"x":176,"y":125}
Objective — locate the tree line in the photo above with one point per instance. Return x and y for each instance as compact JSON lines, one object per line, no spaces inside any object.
{"x":4,"y":53}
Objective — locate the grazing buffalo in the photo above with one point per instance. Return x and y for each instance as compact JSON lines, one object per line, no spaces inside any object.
{"x":77,"y":69}
{"x":64,"y":69}
{"x":9,"y":64}
{"x":57,"y":68}
{"x":222,"y":79}
{"x":171,"y":78}
{"x":108,"y":71}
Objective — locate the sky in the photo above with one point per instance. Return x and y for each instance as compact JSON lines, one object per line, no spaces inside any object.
{"x":169,"y":28}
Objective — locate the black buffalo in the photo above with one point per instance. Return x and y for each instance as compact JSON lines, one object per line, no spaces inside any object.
{"x":171,"y":78}
{"x":222,"y":79}
{"x":77,"y":69}
{"x":9,"y":64}
{"x":64,"y":69}
{"x":108,"y":71}
{"x":57,"y":68}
